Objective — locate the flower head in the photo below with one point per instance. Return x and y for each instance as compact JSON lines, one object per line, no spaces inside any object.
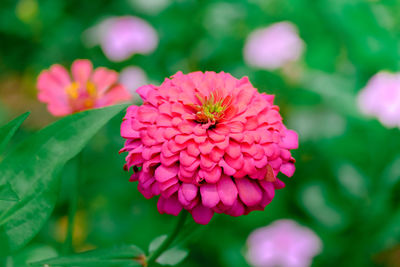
{"x":283,"y":243}
{"x":86,"y":89}
{"x":272,"y":47}
{"x":121,"y":37}
{"x":207,"y":142}
{"x":381,"y":98}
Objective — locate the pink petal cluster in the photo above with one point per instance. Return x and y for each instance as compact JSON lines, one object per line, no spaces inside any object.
{"x":381,"y":98}
{"x":121,"y":37}
{"x":274,"y":46}
{"x":207,"y":142}
{"x":85,"y":89}
{"x":283,"y":243}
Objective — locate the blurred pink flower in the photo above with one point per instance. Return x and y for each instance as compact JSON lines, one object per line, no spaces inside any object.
{"x":207,"y":142}
{"x":272,"y":47}
{"x":121,"y":37}
{"x":87,"y":89}
{"x":284,"y":243}
{"x":132,"y":78}
{"x":381,"y":98}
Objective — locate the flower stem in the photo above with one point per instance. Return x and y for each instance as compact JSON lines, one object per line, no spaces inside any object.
{"x":73,"y":205}
{"x":164,"y":246}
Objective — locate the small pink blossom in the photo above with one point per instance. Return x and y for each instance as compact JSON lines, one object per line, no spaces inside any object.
{"x":122,"y":37}
{"x":284,"y":243}
{"x":86,"y":89}
{"x":381,"y":98}
{"x":207,"y":142}
{"x":274,"y":46}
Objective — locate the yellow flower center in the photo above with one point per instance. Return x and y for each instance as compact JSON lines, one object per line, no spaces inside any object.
{"x":81,"y":97}
{"x":212,"y":108}
{"x":73,"y":90}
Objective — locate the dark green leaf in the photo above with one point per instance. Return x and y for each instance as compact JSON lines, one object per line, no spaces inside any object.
{"x":7,"y":193}
{"x":127,"y":255}
{"x":32,"y":169}
{"x":7,"y":131}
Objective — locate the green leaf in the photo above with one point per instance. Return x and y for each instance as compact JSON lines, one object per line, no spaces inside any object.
{"x":126,"y":255}
{"x":7,"y":193}
{"x":7,"y":131}
{"x":172,"y":256}
{"x":353,"y":183}
{"x":156,"y":243}
{"x":315,"y":200}
{"x":32,"y":170}
{"x":34,"y":252}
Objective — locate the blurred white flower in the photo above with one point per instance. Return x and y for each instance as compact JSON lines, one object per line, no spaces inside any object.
{"x":380,"y":98}
{"x":121,"y":37}
{"x":283,"y":243}
{"x":132,"y":78}
{"x":272,"y":47}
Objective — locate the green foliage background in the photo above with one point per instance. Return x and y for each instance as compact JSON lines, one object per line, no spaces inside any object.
{"x":347,"y":183}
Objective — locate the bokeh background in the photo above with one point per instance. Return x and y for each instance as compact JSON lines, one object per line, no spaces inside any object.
{"x":347,"y":183}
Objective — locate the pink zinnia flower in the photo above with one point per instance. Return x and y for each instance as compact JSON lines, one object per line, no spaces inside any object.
{"x":381,"y":98}
{"x":86,"y":89}
{"x":284,"y":243}
{"x":121,"y":37}
{"x":272,"y":47}
{"x":207,"y":142}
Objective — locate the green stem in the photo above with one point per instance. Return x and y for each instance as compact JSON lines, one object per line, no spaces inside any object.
{"x":73,"y":206}
{"x":164,"y":246}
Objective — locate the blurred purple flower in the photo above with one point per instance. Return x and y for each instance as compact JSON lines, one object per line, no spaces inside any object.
{"x":381,"y":98}
{"x":132,"y":78}
{"x":121,"y":37}
{"x":283,"y":243}
{"x":272,"y":47}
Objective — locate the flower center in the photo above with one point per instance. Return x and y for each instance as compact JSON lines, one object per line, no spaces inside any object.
{"x":212,"y":108}
{"x":81,"y":97}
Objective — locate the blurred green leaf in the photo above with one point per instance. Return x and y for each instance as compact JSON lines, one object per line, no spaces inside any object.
{"x":7,"y":131}
{"x":125,"y":255}
{"x":171,"y":256}
{"x":36,"y":252}
{"x":391,"y":174}
{"x":352,"y":181}
{"x":336,"y":91}
{"x":314,"y":199}
{"x":156,"y":243}
{"x":32,"y":170}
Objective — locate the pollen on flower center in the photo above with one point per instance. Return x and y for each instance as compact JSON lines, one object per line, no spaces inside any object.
{"x":212,"y":108}
{"x":82,"y":96}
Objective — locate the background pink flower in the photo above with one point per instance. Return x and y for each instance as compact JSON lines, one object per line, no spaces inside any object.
{"x":121,"y":37}
{"x":207,"y":142}
{"x":86,"y":89}
{"x":381,"y":98}
{"x":272,"y":47}
{"x":284,"y":243}
{"x":132,"y":78}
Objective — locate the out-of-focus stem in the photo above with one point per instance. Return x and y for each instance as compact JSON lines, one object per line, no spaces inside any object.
{"x":165,"y":245}
{"x":73,"y":205}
